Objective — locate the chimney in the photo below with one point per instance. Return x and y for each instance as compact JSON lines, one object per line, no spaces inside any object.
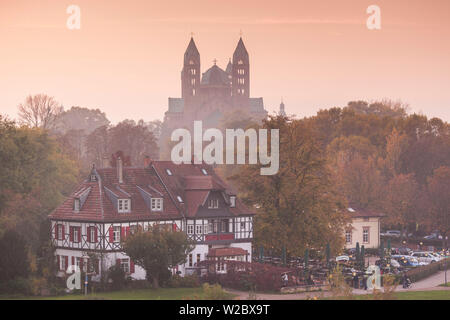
{"x":105,"y":162}
{"x":147,"y":161}
{"x":119,"y":170}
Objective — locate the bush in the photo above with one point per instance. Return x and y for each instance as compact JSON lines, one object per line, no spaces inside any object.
{"x":16,"y":286}
{"x":117,"y":275}
{"x":176,"y":281}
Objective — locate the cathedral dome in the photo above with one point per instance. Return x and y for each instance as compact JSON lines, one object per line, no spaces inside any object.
{"x":215,"y":76}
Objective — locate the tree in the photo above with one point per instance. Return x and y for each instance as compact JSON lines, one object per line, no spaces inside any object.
{"x":297,"y":208}
{"x":400,"y":201}
{"x":39,"y":111}
{"x":79,"y":118}
{"x":14,"y":261}
{"x":439,"y":193}
{"x":157,"y":250}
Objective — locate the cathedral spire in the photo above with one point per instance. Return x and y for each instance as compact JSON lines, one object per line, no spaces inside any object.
{"x":191,"y":52}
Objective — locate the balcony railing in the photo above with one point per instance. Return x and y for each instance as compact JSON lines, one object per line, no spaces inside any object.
{"x":219,"y":236}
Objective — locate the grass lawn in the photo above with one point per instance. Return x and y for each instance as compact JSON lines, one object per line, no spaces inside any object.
{"x":416,"y":295}
{"x":141,"y":294}
{"x":443,"y":285}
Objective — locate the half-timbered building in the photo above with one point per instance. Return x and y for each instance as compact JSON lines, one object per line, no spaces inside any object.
{"x":111,"y":203}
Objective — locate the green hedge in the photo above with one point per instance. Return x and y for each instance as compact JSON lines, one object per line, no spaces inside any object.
{"x":423,"y":272}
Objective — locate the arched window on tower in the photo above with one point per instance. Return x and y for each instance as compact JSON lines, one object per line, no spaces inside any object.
{"x":240,"y":62}
{"x":191,"y":62}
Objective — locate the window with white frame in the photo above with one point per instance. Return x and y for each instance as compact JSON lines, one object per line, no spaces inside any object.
{"x":123,"y":205}
{"x":366,"y":235}
{"x":157,"y":204}
{"x":62,"y":263}
{"x":76,"y":205}
{"x":125,"y":265}
{"x":232,"y":201}
{"x":59,"y":227}
{"x":213,"y":203}
{"x":242,"y":225}
{"x":76,"y":234}
{"x":198,"y":229}
{"x":92,"y":234}
{"x":348,"y":236}
{"x":190,"y":229}
{"x":116,"y":234}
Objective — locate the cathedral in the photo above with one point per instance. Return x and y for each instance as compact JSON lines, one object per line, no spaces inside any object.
{"x":212,"y":95}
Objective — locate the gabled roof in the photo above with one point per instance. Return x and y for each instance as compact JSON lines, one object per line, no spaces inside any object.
{"x":188,"y":181}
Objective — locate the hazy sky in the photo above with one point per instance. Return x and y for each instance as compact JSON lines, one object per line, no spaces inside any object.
{"x":127,"y":57}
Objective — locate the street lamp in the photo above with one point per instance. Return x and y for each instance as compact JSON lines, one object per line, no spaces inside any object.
{"x":85,"y":260}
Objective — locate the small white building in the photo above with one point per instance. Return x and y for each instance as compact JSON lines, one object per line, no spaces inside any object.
{"x":364,"y":228}
{"x":112,"y":202}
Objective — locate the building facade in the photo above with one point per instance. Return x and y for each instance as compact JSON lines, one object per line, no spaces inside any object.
{"x":87,"y":229}
{"x":212,"y":95}
{"x":364,"y":228}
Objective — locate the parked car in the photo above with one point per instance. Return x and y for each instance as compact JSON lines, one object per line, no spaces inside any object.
{"x":406,"y":261}
{"x":392,"y":233}
{"x":425,"y":257}
{"x":436,"y":254}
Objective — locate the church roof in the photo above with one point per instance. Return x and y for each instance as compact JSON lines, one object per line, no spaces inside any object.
{"x":215,"y":76}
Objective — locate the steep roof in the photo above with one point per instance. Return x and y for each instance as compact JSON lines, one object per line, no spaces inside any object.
{"x":240,"y":51}
{"x":191,"y":51}
{"x":187,"y":181}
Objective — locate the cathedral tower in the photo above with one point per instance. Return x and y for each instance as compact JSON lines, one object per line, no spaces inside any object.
{"x":240,"y":74}
{"x":190,"y":75}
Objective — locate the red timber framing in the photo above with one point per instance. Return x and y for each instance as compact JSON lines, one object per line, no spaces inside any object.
{"x":240,"y":229}
{"x":104,"y":236}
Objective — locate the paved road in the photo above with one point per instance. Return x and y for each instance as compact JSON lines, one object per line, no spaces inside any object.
{"x":430,"y":283}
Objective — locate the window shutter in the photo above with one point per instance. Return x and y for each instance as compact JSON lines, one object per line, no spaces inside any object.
{"x":131,"y":266}
{"x":63,"y":232}
{"x":73,"y":260}
{"x":174,"y":227}
{"x":111,"y":234}
{"x":71,"y":234}
{"x":122,"y":233}
{"x":66,"y":260}
{"x":95,"y":234}
{"x":88,"y":236}
{"x":57,"y":261}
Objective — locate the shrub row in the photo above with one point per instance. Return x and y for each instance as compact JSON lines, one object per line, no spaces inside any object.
{"x":423,"y":272}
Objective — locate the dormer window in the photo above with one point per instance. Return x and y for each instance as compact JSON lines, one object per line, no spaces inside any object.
{"x":93,"y":178}
{"x":204,"y":172}
{"x":213,"y":203}
{"x":76,"y":205}
{"x":169,"y":173}
{"x":179,"y":199}
{"x":232,"y":201}
{"x":157,"y":204}
{"x":123,"y":205}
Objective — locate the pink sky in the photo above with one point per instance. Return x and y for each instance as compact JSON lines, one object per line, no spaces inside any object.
{"x":127,"y":57}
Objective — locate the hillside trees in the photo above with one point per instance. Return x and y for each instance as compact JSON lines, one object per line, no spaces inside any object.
{"x":298,"y":207}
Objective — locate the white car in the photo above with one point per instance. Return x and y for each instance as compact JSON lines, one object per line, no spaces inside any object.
{"x":342,"y":259}
{"x":425,"y":257}
{"x":393,"y":233}
{"x":437,"y":255}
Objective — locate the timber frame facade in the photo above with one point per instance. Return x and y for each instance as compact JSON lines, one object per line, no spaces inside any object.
{"x":112,"y":202}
